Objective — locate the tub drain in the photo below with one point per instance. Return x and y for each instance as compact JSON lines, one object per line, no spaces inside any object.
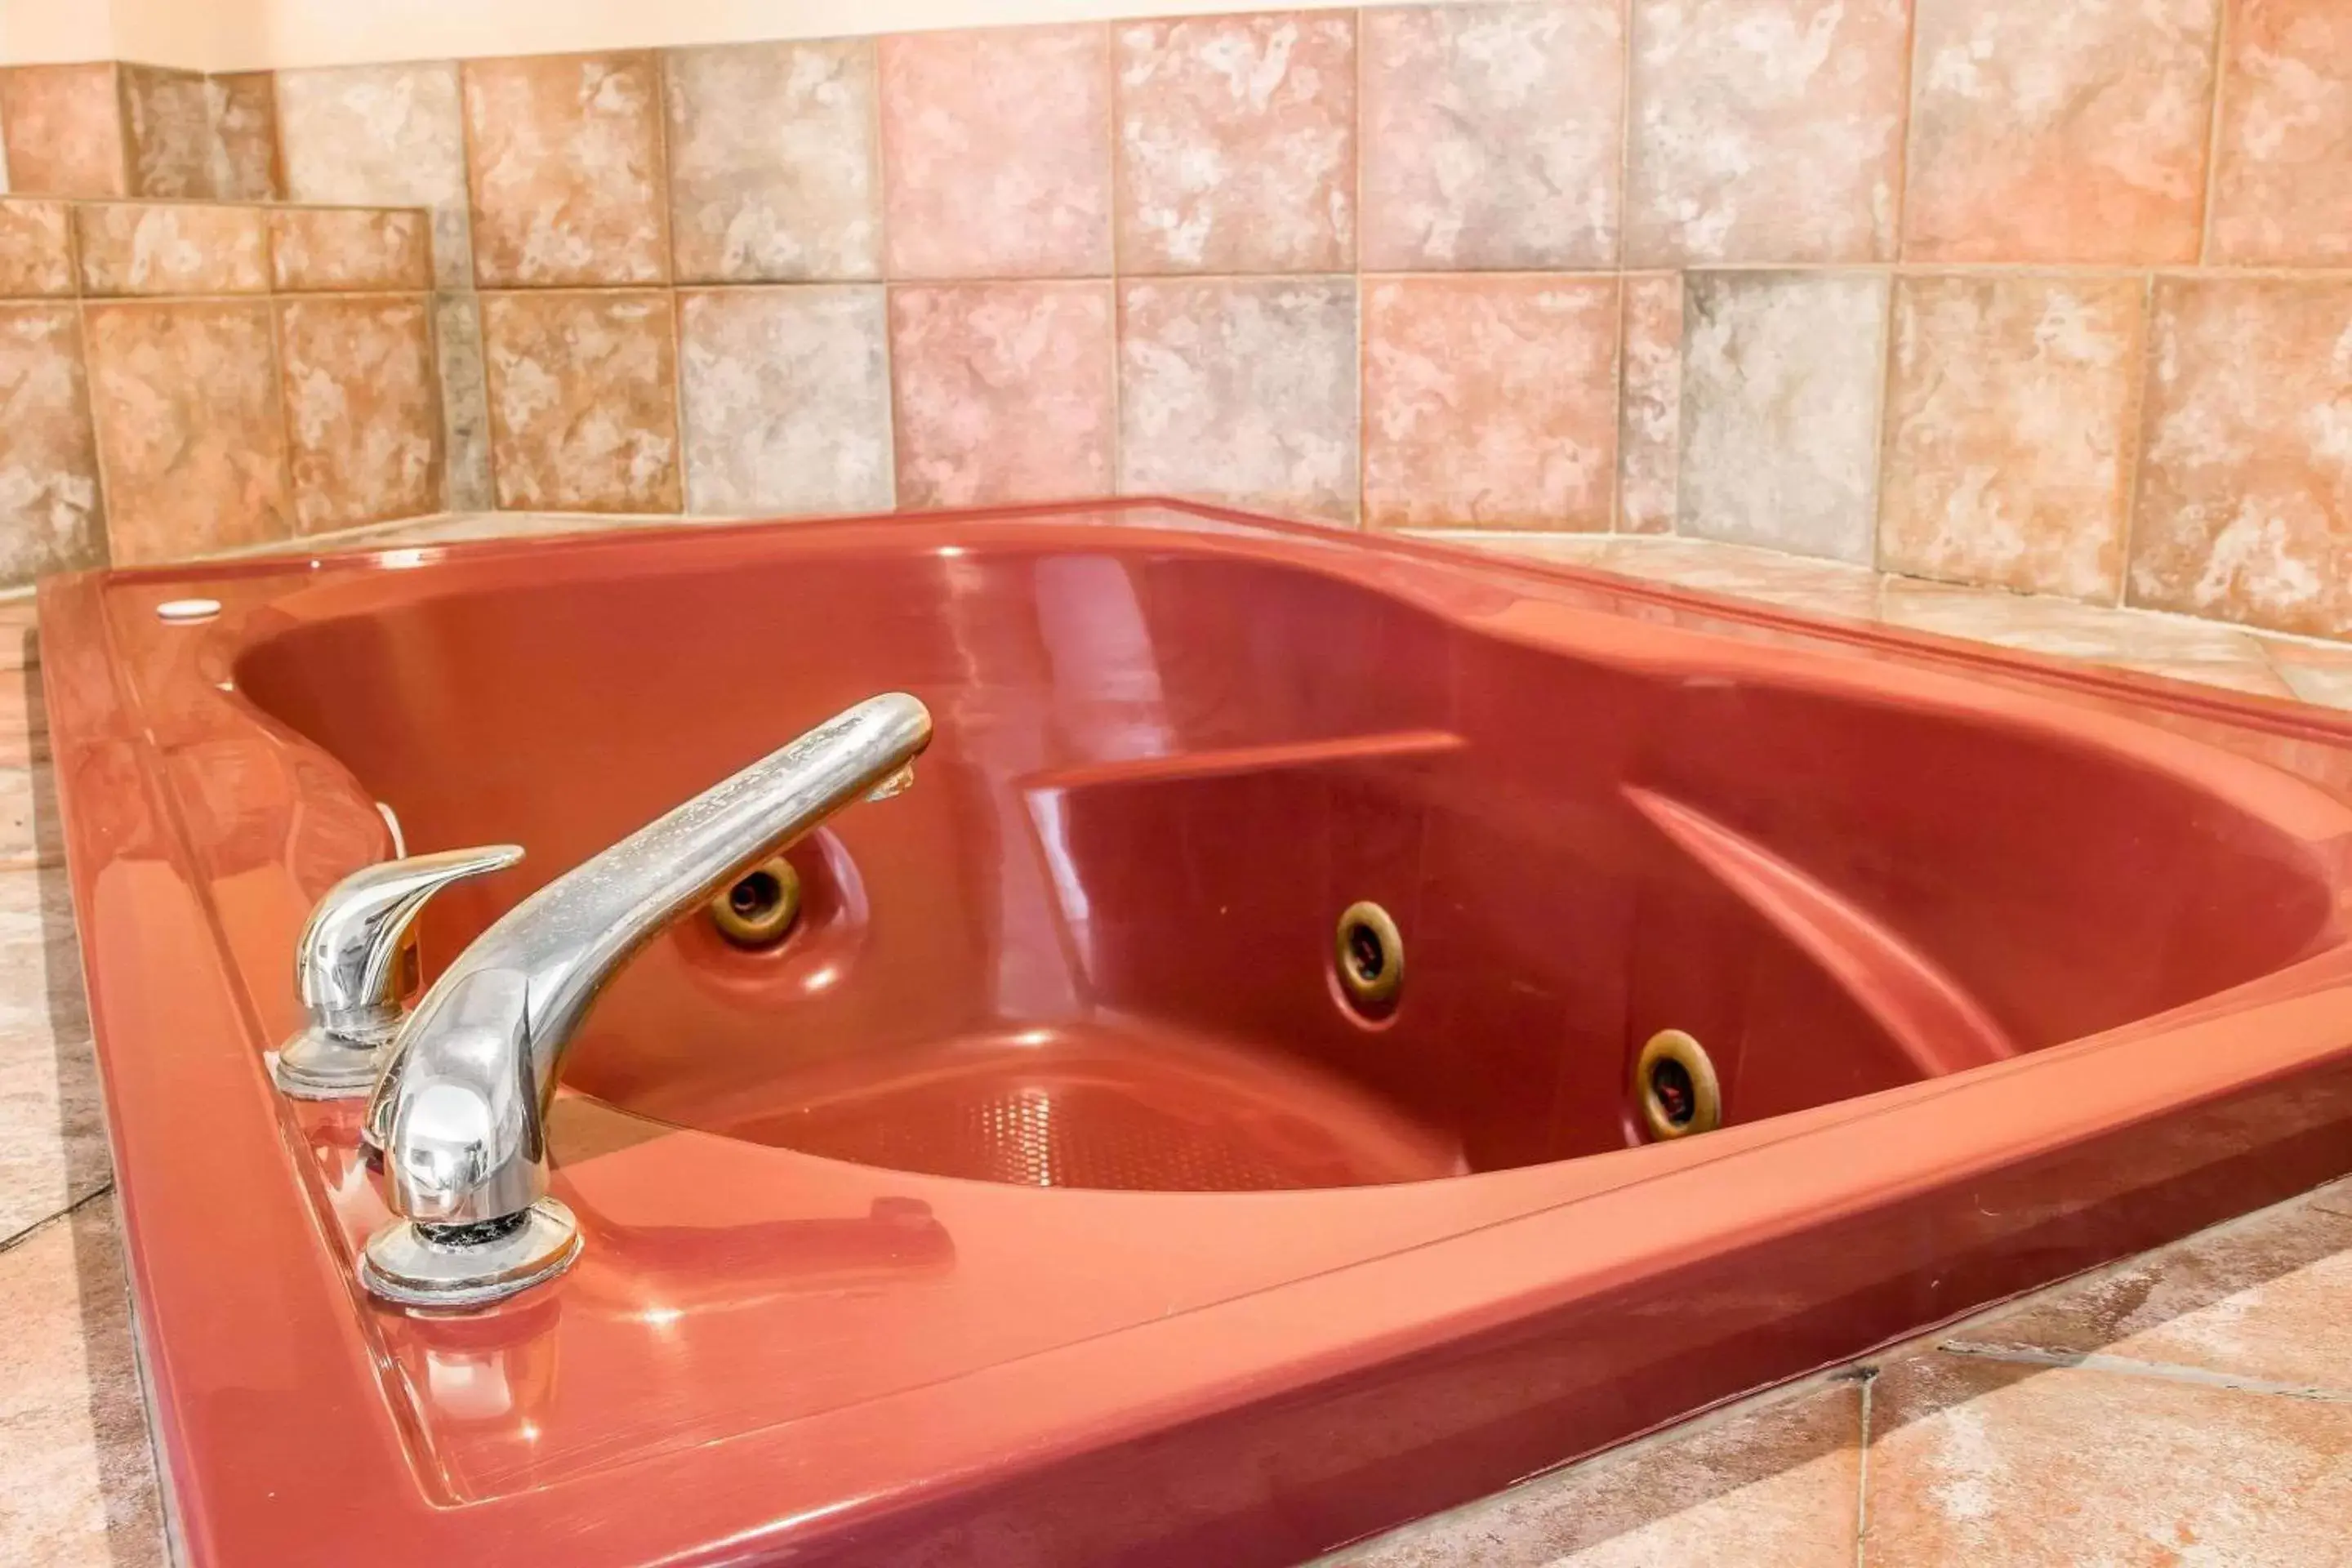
{"x":759,"y":908}
{"x":1675,"y":1086}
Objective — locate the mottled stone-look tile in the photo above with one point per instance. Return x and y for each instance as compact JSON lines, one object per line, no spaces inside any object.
{"x":2245,"y":491}
{"x":995,"y":153}
{"x":774,"y":170}
{"x":2316,"y":673}
{"x":2012,"y":426}
{"x":1241,"y":391}
{"x":63,"y":128}
{"x":1770,"y":576}
{"x":82,"y":1482}
{"x":584,"y":409}
{"x":1781,"y":378}
{"x":185,"y":397}
{"x":1490,"y":402}
{"x":381,"y":135}
{"x":52,"y":1127}
{"x":1765,"y":131}
{"x":787,"y":399}
{"x":1237,"y":144}
{"x":1975,"y":1461}
{"x":2260,"y":1297}
{"x":2060,"y":133}
{"x":35,"y":256}
{"x":314,"y":249}
{"x":362,"y":410}
{"x":1769,"y":1482}
{"x":2063,"y":629}
{"x":2282,"y":190}
{"x":1004,"y":391}
{"x":50,"y":516}
{"x":563,"y":156}
{"x":168,"y":133}
{"x":1649,"y":449}
{"x":1493,"y":135}
{"x":246,"y":164}
{"x":464,"y":403}
{"x":141,"y":247}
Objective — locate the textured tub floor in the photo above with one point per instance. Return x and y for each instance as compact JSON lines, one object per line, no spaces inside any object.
{"x":2193,"y":1406}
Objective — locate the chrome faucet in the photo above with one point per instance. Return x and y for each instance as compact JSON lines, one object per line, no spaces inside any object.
{"x":459,"y":1111}
{"x":348,"y":968}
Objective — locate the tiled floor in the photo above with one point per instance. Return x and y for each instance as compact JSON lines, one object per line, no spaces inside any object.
{"x":2190,"y":1407}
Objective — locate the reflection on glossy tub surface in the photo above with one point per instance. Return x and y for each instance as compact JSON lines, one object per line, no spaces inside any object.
{"x":1989,"y":970}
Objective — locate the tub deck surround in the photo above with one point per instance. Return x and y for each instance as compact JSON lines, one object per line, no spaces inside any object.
{"x":1459,"y":1333}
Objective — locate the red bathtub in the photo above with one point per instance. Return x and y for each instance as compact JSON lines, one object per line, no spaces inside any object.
{"x":1051,"y":1195}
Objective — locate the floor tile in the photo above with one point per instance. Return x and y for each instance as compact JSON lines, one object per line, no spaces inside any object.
{"x":81,"y":1483}
{"x":1974,"y":1461}
{"x":1770,"y":1484}
{"x":2261,"y":1299}
{"x":52,"y":1131}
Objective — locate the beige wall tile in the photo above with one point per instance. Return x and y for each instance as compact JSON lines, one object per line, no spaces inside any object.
{"x":381,"y":135}
{"x":1765,"y":131}
{"x":1241,"y":390}
{"x":996,"y":153}
{"x":787,"y":399}
{"x":362,"y":411}
{"x":1649,"y":451}
{"x":2282,"y":191}
{"x":1490,"y":402}
{"x":1004,"y":391}
{"x":773,"y":167}
{"x":35,"y":248}
{"x":246,"y":164}
{"x":62,"y":126}
{"x":1781,"y":381}
{"x":168,"y":133}
{"x":51,"y":515}
{"x":1236,"y":146}
{"x":584,"y":406}
{"x":1494,"y":135}
{"x":185,"y":397}
{"x":563,"y":157}
{"x":313,"y":250}
{"x":2013,"y":425}
{"x":171,"y":247}
{"x":2245,"y":491}
{"x":2060,"y":133}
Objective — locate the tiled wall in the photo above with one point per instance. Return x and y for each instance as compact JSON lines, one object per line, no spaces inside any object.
{"x":2050,"y":293}
{"x":178,"y":378}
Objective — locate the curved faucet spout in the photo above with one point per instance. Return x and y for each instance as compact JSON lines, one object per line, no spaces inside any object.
{"x":459,"y":1109}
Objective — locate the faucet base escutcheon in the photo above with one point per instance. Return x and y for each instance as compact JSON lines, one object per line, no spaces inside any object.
{"x":461,"y":1267}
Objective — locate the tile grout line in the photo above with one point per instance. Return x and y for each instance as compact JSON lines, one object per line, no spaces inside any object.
{"x":2210,"y":189}
{"x":10,"y":1243}
{"x":2143,"y":410}
{"x":2129,"y":1366}
{"x":1868,"y":1377}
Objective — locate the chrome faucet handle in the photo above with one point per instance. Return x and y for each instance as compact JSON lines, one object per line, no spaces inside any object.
{"x":347,"y":969}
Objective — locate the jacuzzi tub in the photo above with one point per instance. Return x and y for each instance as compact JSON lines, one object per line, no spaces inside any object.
{"x":1048,"y":1196}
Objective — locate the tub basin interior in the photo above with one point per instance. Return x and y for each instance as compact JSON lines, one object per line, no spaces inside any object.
{"x":1094,"y":946}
